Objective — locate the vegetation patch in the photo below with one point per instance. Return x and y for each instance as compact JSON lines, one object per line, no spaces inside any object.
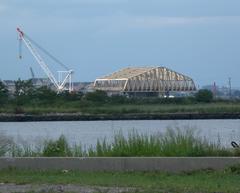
{"x":174,"y":142}
{"x":28,"y":99}
{"x":226,"y":181}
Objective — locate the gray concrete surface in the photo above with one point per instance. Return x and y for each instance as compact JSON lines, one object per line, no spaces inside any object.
{"x":168,"y":164}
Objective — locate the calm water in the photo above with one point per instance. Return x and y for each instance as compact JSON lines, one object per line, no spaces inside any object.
{"x":87,"y":132}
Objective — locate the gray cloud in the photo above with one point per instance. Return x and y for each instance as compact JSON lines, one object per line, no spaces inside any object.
{"x":157,"y":22}
{"x":195,"y":33}
{"x":118,"y":22}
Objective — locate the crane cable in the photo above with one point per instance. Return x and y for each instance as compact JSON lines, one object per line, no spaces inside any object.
{"x":20,"y":49}
{"x":45,"y":51}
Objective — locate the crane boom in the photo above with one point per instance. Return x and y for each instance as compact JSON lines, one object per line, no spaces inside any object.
{"x":32,"y":73}
{"x":60,"y":85}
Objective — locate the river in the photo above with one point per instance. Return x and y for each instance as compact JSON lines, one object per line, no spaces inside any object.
{"x":87,"y":132}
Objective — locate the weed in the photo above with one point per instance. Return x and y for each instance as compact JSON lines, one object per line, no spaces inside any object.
{"x":58,"y":148}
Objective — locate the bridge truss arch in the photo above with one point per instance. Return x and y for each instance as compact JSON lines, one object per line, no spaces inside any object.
{"x":145,"y":79}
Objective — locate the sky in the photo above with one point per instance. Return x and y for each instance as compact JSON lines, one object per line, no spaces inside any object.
{"x":199,"y":38}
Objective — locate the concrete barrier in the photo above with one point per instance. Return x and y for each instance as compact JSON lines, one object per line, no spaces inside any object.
{"x":167,"y":164}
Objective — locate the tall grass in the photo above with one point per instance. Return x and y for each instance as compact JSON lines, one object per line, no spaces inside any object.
{"x":174,"y":142}
{"x":5,"y":144}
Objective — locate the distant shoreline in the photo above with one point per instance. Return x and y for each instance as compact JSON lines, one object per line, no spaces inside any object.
{"x":101,"y":117}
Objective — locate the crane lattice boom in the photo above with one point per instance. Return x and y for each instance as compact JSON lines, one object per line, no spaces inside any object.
{"x":60,"y":85}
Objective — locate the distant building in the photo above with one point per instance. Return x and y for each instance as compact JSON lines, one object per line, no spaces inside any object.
{"x":37,"y":82}
{"x":223,"y":92}
{"x":82,"y":86}
{"x":10,"y":84}
{"x":145,"y":81}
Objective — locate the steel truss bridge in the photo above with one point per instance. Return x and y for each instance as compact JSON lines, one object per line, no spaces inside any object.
{"x":145,"y":79}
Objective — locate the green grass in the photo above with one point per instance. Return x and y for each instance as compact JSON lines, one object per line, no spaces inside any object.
{"x":174,"y":142}
{"x":226,"y":181}
{"x":166,"y":108}
{"x":106,"y":108}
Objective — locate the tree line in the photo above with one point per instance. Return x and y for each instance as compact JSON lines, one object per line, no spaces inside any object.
{"x":26,"y":93}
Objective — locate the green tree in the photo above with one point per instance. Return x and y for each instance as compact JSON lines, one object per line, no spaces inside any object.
{"x":3,"y":93}
{"x":204,"y":95}
{"x":70,"y":96}
{"x":97,"y":96}
{"x":24,"y":91}
{"x":45,"y":95}
{"x":23,"y":88}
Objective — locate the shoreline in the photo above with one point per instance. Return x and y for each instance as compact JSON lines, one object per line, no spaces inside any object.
{"x":106,"y":117}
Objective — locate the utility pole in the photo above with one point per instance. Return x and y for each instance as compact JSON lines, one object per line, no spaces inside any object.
{"x":214,"y":89}
{"x":230,"y":87}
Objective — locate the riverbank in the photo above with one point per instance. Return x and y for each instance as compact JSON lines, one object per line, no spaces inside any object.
{"x":8,"y":117}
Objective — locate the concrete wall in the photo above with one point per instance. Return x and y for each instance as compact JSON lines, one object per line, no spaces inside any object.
{"x":173,"y":164}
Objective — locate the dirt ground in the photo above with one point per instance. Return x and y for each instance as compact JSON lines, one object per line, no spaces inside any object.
{"x":69,"y":188}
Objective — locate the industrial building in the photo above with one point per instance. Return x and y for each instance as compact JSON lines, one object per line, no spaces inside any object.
{"x":145,"y":81}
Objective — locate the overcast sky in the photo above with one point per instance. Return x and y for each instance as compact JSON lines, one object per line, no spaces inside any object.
{"x":199,"y":38}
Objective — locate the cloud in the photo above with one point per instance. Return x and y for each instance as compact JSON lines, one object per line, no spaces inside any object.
{"x":159,"y":22}
{"x":118,"y":23}
{"x":99,"y":1}
{"x":132,"y":22}
{"x":69,"y":16}
{"x":29,"y":4}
